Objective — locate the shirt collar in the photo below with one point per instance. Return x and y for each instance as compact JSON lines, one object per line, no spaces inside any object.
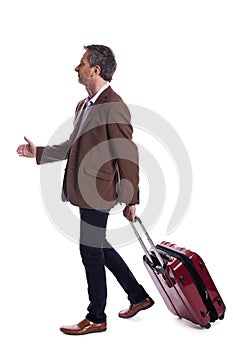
{"x":94,"y":98}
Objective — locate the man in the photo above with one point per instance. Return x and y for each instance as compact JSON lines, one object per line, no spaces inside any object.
{"x":102,"y":170}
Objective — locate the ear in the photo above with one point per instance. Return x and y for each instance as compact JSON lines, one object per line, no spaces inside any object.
{"x":97,"y":70}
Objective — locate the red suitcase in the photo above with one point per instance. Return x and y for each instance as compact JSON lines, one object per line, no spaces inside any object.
{"x":183,"y":281}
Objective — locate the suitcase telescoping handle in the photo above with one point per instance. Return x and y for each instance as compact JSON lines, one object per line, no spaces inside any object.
{"x":155,"y":251}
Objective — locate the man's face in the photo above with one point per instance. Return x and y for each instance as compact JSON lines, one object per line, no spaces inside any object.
{"x":84,"y":70}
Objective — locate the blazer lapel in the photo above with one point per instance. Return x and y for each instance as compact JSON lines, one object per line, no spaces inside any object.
{"x":79,"y":113}
{"x":103,"y":98}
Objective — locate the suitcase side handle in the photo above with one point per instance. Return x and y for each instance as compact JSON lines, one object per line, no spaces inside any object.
{"x":155,"y":251}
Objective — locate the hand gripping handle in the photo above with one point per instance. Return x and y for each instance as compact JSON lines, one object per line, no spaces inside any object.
{"x":155,"y":251}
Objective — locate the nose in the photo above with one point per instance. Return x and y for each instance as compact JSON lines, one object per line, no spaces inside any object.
{"x":77,"y":69}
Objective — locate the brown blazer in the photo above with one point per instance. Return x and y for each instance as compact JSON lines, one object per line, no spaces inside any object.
{"x":102,"y":160}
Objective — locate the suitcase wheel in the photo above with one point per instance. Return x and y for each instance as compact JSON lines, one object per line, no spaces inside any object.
{"x":221,"y":317}
{"x":207,"y":326}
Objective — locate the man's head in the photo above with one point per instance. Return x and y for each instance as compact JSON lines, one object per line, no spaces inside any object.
{"x":98,"y":60}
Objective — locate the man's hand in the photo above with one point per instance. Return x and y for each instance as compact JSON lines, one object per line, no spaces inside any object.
{"x":130,"y":212}
{"x":27,"y":150}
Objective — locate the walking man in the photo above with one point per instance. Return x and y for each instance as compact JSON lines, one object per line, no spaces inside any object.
{"x":102,"y":170}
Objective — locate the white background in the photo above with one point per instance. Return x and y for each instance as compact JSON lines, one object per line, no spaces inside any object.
{"x":174,"y":57}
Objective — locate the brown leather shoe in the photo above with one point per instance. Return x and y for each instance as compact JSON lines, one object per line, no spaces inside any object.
{"x":135,"y":308}
{"x":84,"y":327}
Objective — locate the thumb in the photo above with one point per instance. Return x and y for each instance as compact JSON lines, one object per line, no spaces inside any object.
{"x":26,"y":139}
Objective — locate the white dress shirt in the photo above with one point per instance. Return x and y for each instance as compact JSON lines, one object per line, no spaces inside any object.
{"x":88,"y":103}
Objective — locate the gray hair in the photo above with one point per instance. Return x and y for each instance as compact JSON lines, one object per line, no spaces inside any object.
{"x":102,"y":56}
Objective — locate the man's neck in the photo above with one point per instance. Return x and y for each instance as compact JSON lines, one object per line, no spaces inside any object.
{"x":92,"y":90}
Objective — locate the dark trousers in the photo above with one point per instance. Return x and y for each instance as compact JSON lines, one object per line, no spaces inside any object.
{"x":97,"y":253}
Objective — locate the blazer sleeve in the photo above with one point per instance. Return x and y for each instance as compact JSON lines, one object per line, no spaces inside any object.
{"x":125,"y":152}
{"x":51,"y":154}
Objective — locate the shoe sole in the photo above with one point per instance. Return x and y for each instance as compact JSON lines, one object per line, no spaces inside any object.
{"x":145,"y":308}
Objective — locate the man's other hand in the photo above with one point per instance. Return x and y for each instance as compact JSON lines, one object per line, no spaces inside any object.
{"x":130,"y":212}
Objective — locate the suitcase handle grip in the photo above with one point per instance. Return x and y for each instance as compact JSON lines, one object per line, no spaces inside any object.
{"x":148,"y":255}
